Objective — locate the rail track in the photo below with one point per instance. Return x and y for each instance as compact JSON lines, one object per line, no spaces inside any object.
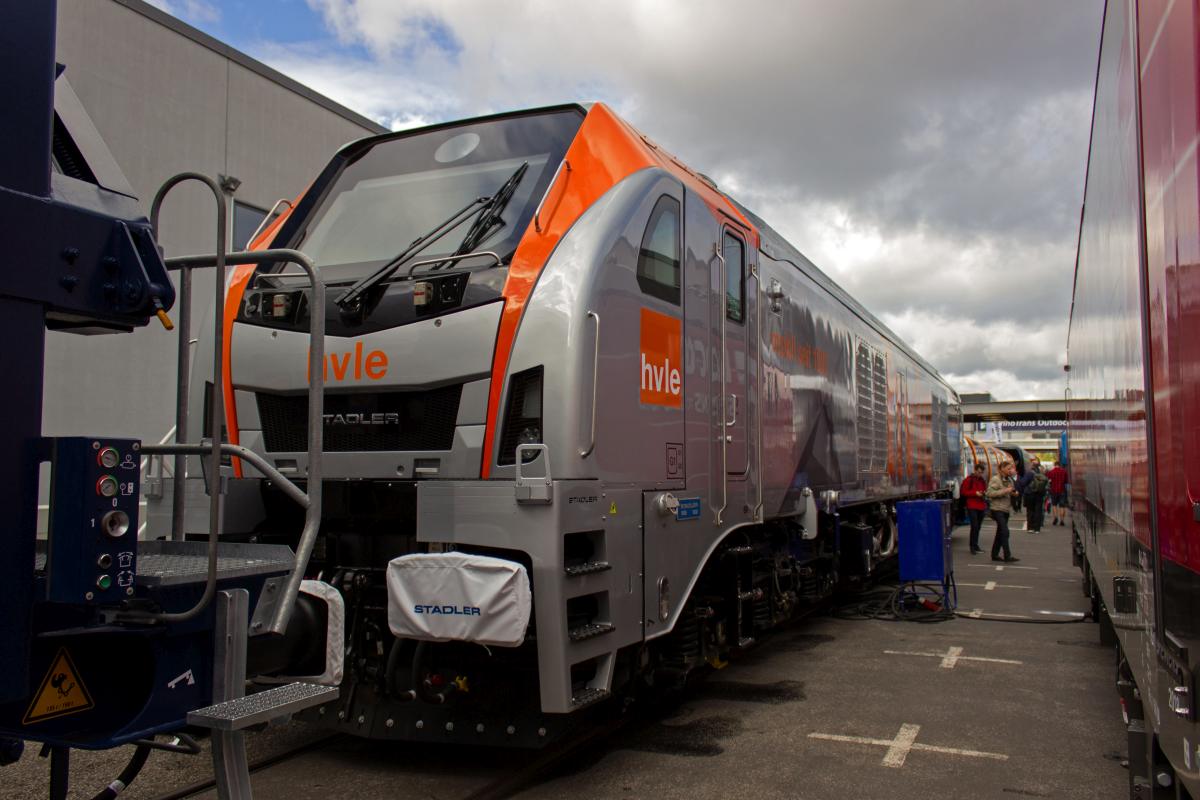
{"x":493,"y":787}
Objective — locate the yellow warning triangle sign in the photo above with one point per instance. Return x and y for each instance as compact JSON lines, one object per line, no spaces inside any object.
{"x":61,"y":693}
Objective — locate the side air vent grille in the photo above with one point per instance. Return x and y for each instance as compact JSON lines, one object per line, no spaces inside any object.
{"x":65,"y":155}
{"x":870,"y":379}
{"x":523,"y":417}
{"x":371,"y":422}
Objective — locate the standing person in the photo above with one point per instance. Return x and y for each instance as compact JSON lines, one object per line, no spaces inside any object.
{"x":1016,"y":498}
{"x":999,"y":494}
{"x":973,"y":490}
{"x":1058,"y":494}
{"x":1021,"y":483}
{"x":1035,"y":499}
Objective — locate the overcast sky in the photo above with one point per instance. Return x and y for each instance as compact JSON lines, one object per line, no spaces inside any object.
{"x":928,"y":154}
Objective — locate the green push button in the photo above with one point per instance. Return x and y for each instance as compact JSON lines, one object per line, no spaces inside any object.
{"x":103,"y":582}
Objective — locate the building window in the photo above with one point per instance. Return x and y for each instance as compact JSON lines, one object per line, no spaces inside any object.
{"x":246,"y":219}
{"x":658,"y":258}
{"x":735,"y":277}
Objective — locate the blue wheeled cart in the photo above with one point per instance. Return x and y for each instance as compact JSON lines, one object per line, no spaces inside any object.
{"x":923,"y":531}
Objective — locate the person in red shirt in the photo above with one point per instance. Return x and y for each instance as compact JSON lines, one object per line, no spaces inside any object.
{"x":972,"y":490}
{"x":1058,"y":493}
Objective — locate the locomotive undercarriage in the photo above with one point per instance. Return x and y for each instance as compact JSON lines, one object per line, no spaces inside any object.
{"x":760,"y":578}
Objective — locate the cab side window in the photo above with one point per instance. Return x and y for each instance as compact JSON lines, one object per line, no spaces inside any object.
{"x":735,"y":277}
{"x":658,"y":257}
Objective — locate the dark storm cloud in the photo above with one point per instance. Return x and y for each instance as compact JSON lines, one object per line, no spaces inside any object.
{"x":965,"y":116}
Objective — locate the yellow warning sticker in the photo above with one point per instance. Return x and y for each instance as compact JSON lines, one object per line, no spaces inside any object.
{"x":61,"y":693}
{"x":612,"y":509}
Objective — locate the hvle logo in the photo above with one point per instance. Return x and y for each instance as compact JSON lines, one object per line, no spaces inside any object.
{"x":661,"y":345}
{"x":660,"y":379}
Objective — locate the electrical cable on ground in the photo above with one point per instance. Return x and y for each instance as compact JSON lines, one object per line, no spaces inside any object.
{"x":131,"y":771}
{"x":1031,"y":621}
{"x":905,"y":602}
{"x":924,"y":603}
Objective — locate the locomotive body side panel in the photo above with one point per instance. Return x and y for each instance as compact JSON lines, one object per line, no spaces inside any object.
{"x":588,"y":289}
{"x":846,"y":409}
{"x":1133,"y":363}
{"x":718,"y":495}
{"x":1169,"y":54}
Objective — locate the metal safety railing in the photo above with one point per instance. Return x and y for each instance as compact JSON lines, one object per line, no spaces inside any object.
{"x":213,"y":447}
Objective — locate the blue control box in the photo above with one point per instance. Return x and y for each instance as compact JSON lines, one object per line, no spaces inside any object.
{"x":923,"y":531}
{"x":92,"y":543}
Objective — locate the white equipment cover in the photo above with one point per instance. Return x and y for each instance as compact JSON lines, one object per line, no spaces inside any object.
{"x":335,"y":638}
{"x":442,"y":597}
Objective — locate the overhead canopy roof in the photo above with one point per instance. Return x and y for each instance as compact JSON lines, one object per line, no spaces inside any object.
{"x":1021,"y":410}
{"x":1013,"y":410}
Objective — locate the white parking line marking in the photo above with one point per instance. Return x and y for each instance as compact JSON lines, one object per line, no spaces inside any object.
{"x":901,"y":745}
{"x":992,"y":585}
{"x":904,"y":743}
{"x":998,"y":567}
{"x":951,"y":657}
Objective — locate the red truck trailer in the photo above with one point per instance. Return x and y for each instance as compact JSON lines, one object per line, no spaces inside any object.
{"x":1134,"y":382}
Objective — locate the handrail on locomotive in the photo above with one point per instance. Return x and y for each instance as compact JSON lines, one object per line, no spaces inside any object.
{"x":215,"y":447}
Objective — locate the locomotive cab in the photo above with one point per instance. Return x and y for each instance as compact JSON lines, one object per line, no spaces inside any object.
{"x":413,"y":235}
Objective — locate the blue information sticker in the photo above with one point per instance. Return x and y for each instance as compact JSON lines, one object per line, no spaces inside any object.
{"x":689,"y":508}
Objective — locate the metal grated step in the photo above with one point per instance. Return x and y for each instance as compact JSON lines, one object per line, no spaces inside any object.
{"x":166,"y":563}
{"x":592,"y":629}
{"x":587,"y":568}
{"x":234,"y":715}
{"x":588,"y":696}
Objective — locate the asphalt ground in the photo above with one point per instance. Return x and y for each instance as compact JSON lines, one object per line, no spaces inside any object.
{"x":829,"y":708}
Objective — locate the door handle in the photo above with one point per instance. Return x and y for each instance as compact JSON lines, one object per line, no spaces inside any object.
{"x":733,"y":421}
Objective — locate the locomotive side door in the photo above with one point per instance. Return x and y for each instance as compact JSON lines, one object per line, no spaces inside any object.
{"x":736,"y":321}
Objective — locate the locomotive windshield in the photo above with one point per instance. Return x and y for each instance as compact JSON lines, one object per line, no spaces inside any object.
{"x":401,"y":188}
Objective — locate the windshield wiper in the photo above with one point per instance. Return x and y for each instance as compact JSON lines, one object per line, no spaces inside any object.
{"x":489,"y":219}
{"x":483,"y":227}
{"x":355,"y":292}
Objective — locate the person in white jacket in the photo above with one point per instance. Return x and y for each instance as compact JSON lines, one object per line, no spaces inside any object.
{"x":1000,"y":492}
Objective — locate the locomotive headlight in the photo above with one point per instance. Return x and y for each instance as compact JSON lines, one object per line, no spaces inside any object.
{"x":530,"y":434}
{"x":523,"y":418}
{"x":422,"y":293}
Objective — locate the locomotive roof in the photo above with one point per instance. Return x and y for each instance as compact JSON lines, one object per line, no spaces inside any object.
{"x":780,"y":249}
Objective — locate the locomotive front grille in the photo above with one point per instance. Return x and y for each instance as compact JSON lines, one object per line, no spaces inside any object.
{"x":368,"y":422}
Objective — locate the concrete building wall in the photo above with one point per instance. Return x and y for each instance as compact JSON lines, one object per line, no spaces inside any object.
{"x":168,"y":99}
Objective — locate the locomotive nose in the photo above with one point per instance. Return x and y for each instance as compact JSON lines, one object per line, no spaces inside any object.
{"x":403,"y":401}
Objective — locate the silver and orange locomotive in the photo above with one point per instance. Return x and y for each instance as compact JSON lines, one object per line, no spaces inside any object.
{"x":590,"y":425}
